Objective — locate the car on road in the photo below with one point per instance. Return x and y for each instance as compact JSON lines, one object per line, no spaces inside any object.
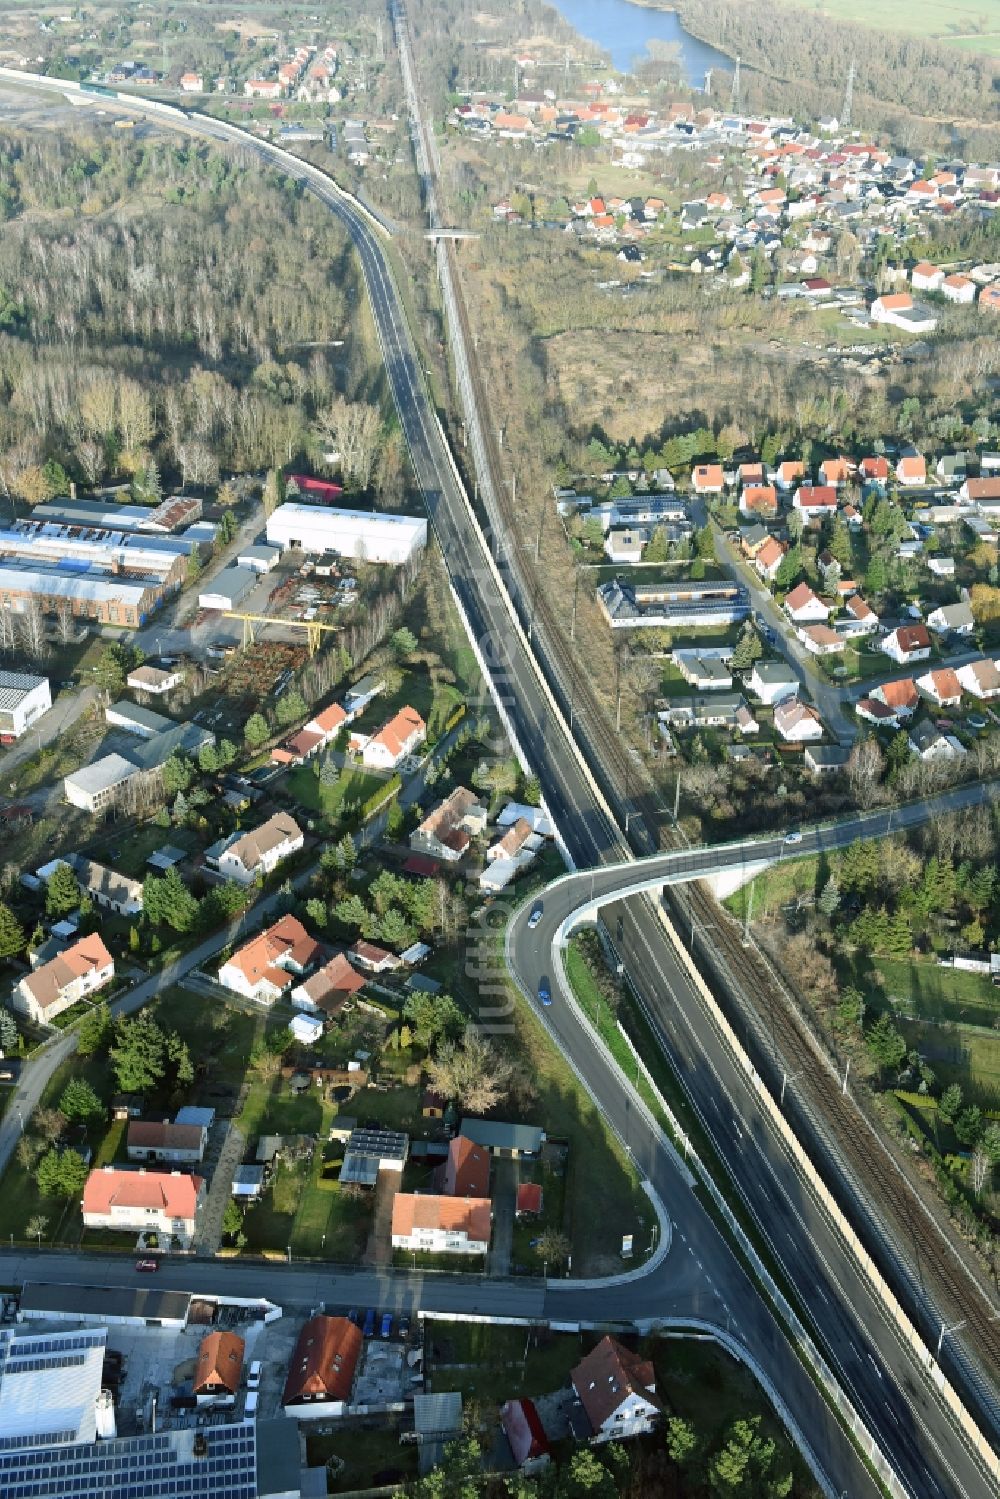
{"x":404,"y":1328}
{"x":535,"y":917}
{"x":544,"y":992}
{"x":386,"y":1329}
{"x":354,"y":1316}
{"x":794,"y":836}
{"x":147,"y":1266}
{"x":369,"y":1326}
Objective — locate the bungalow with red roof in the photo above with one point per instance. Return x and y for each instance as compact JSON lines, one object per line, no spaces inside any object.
{"x":907,"y":643}
{"x":821,"y":640}
{"x":372,"y":958}
{"x":900,"y":697}
{"x":797,"y":722}
{"x":466,"y":1172}
{"x":835,"y":471}
{"x":329,"y":988}
{"x":874,"y":470}
{"x":759,"y":502}
{"x":790,"y":471}
{"x":708,"y":478}
{"x":860,"y":617}
{"x":401,"y":736}
{"x":989,"y":298}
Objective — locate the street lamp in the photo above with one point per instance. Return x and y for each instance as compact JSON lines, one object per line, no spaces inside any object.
{"x":945,"y":1330}
{"x":20,"y":1117}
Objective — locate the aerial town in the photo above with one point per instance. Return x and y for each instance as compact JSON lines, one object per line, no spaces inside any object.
{"x":499,"y":749}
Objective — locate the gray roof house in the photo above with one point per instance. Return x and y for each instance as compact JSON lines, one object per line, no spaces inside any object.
{"x":501,"y":1138}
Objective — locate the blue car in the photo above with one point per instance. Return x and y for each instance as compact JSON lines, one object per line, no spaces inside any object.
{"x":386,"y":1325}
{"x":544,"y":992}
{"x":369,"y":1327}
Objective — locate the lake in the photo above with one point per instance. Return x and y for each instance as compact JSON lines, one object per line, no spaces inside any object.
{"x":624,"y":31}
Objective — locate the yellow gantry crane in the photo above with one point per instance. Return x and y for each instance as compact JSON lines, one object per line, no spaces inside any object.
{"x":313,"y":628}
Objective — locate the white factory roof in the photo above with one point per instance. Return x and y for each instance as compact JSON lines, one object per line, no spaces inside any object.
{"x":15,"y":686}
{"x":61,"y":583}
{"x":328,"y":518}
{"x":109,"y":770}
{"x":49,"y":1384}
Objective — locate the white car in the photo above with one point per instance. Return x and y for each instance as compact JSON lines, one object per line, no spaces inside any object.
{"x":534,"y":918}
{"x":794,"y":836}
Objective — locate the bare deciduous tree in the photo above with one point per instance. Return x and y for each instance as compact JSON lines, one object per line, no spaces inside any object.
{"x":472,"y":1071}
{"x":352,"y":429}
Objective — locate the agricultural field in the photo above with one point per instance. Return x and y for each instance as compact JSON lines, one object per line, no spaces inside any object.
{"x":975,"y":27}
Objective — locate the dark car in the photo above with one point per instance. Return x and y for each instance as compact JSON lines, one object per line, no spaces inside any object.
{"x":386,"y":1329}
{"x":369,"y":1326}
{"x":147,"y":1266}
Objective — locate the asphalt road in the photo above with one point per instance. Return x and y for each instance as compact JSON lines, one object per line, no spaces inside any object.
{"x":887,"y":1385}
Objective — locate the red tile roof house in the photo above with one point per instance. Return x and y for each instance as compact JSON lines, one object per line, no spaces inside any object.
{"x":81,"y":970}
{"x":321,"y":1370}
{"x":815,"y":500}
{"x":803,"y":607}
{"x":941,"y":687}
{"x":907,"y":643}
{"x":163,"y":1202}
{"x":329,"y":988}
{"x":874,"y":470}
{"x":770,"y":558}
{"x":372,"y":958}
{"x":466,"y":1172}
{"x":989,"y":298}
{"x":220,"y":1363}
{"x":398,"y":738}
{"x":441,"y":1225}
{"x":522,"y":1426}
{"x":269,"y":963}
{"x":617,"y":1389}
{"x":861,"y":617}
{"x":900,"y":697}
{"x":790,"y":471}
{"x":873,"y":711}
{"x":834,"y":471}
{"x":759,"y":500}
{"x":911,"y":470}
{"x":708,"y":478}
{"x":446,"y":833}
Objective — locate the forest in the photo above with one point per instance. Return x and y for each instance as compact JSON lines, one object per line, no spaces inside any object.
{"x":165,"y":297}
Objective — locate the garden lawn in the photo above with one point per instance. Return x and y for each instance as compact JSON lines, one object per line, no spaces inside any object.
{"x":368,"y":1456}
{"x":960,"y":1054}
{"x":935,"y":993}
{"x":499,"y":1363}
{"x":337,"y":800}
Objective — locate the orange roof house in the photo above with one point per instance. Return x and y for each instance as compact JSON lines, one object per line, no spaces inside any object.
{"x":220,"y":1363}
{"x":617,"y":1389}
{"x":266,"y":966}
{"x":324,"y":1362}
{"x":456,"y":1225}
{"x":467,"y":1169}
{"x":708,"y":478}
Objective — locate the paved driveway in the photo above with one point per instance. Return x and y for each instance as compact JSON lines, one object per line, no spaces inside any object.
{"x":505,"y":1174}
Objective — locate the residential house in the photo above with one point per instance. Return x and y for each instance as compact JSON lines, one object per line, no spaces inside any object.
{"x":447,"y":832}
{"x":796,"y":721}
{"x":874,"y":470}
{"x":835,"y":471}
{"x":401,"y":736}
{"x":191,"y":83}
{"x":220,"y":1364}
{"x":814,"y":501}
{"x":861,"y":618}
{"x":166,"y":1203}
{"x":721,"y":710}
{"x":625,"y":545}
{"x":322,"y":1368}
{"x":773,"y":681}
{"x":708,"y":478}
{"x":80,"y":970}
{"x":958,"y":288}
{"x":980,"y":678}
{"x":372,"y":958}
{"x":106,"y":887}
{"x":752,"y":538}
{"x":769,"y":558}
{"x":617,"y":1390}
{"x":927,"y":740}
{"x":503,"y":1138}
{"x":267,"y":965}
{"x":825,"y":759}
{"x":154,"y":680}
{"x":989,"y":298}
{"x":907,"y":643}
{"x":260,"y":851}
{"x":329,"y":988}
{"x":441,"y":1225}
{"x":759,"y":502}
{"x":942,"y":687}
{"x":264,"y":88}
{"x":750,"y":474}
{"x":709,"y":673}
{"x":803,"y":607}
{"x":790,"y":472}
{"x":951,"y":619}
{"x":874,"y":711}
{"x":911,"y":470}
{"x":821,"y":640}
{"x":466,"y":1172}
{"x":926,"y":277}
{"x":328,"y":723}
{"x":174,"y":1144}
{"x":520,"y":842}
{"x":24,"y":698}
{"x":985,"y":490}
{"x":898,"y":310}
{"x":900,"y":697}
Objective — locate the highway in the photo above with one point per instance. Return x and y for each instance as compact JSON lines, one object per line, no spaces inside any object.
{"x":887,"y":1385}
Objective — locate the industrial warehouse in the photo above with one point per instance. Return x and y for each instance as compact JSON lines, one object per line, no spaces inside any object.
{"x":363,"y":535}
{"x":112,"y":565}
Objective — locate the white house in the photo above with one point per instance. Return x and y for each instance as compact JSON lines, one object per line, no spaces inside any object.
{"x":268,"y":964}
{"x":926,"y":277}
{"x":773,"y":681}
{"x":162,"y":1202}
{"x":981,"y":678}
{"x":952,"y":619}
{"x":154,"y":679}
{"x":448,"y":830}
{"x":907,"y":643}
{"x":23,"y":698}
{"x":617,"y":1389}
{"x":860,"y":617}
{"x":898,"y":310}
{"x":176,"y":1144}
{"x":261,"y":850}
{"x":441,"y":1225}
{"x":400,"y":737}
{"x":71,"y":975}
{"x":804,"y":608}
{"x":927,"y":741}
{"x":797,"y":722}
{"x":958,"y":288}
{"x":943,"y":687}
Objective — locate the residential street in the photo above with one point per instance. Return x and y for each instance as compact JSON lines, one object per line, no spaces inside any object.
{"x":66,"y":709}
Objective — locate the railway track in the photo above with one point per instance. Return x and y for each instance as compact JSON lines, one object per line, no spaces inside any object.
{"x":906,"y":1236}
